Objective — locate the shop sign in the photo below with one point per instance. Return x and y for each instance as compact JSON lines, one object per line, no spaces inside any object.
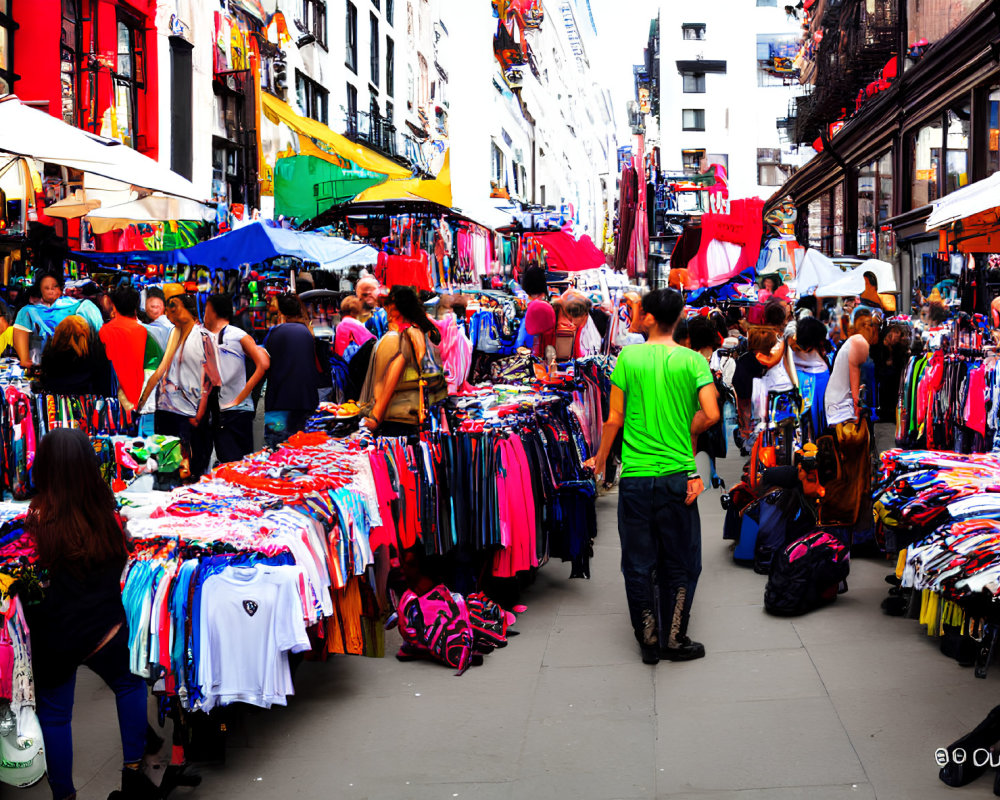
{"x":644,"y":106}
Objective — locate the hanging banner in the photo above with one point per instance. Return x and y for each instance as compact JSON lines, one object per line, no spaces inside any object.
{"x":730,"y":243}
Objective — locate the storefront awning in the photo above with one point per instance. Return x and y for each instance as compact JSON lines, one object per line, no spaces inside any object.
{"x":278,"y":111}
{"x":28,"y":132}
{"x":434,"y":190}
{"x":973,"y":205}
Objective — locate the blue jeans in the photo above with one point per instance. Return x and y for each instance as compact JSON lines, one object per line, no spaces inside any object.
{"x":147,"y":425}
{"x":661,"y":555}
{"x":55,"y":713}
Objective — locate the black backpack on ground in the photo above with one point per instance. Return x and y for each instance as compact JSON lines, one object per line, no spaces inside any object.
{"x":806,"y":574}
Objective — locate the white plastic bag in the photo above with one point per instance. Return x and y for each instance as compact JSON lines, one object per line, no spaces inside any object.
{"x":22,"y":757}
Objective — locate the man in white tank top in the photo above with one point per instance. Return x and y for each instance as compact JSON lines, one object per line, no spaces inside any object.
{"x":843,"y":392}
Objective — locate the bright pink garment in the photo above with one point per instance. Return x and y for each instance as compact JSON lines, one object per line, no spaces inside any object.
{"x":930,"y":382}
{"x":976,"y":410}
{"x":386,"y":532}
{"x":456,"y":353}
{"x":350,"y":331}
{"x":516,"y":504}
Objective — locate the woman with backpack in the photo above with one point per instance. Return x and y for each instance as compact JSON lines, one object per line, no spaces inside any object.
{"x":405,"y":377}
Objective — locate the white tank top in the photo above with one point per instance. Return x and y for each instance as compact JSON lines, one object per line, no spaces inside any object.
{"x":839,"y":402}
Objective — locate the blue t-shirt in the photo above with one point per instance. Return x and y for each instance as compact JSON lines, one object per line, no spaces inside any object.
{"x":41,"y":320}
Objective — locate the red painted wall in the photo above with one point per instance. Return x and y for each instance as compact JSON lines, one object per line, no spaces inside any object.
{"x":36,"y":60}
{"x":36,"y":52}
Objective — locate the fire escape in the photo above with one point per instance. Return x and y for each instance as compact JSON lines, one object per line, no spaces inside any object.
{"x":858,"y":38}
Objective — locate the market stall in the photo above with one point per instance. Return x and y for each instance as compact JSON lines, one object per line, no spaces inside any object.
{"x":496,"y":488}
{"x":422,"y":243}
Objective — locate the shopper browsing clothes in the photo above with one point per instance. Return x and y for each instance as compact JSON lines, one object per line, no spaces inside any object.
{"x":80,"y":620}
{"x":373,"y":317}
{"x":842,"y":502}
{"x":233,"y":414}
{"x":133,"y":351}
{"x":156,"y":312}
{"x":74,"y":361}
{"x":664,"y":398}
{"x":292,"y":384}
{"x":809,"y":356}
{"x":402,"y":360}
{"x":351,"y":333}
{"x":185,"y":380}
{"x":36,"y":322}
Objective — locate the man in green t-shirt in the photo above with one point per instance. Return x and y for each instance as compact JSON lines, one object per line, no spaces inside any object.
{"x":663,"y":396}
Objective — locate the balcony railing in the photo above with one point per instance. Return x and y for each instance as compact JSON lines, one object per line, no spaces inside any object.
{"x":380,"y":134}
{"x":374,"y":131}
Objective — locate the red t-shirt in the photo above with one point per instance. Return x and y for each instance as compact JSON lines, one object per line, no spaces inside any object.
{"x":125,"y":341}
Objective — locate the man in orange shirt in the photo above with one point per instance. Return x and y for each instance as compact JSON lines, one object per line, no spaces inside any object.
{"x":130,"y":347}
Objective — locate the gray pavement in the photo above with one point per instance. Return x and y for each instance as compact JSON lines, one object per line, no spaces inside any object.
{"x":843,"y":703}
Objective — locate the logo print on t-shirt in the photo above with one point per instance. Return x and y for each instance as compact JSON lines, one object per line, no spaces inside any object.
{"x":250,"y":606}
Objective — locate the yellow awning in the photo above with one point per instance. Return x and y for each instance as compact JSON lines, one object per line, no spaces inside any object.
{"x":436,"y":190}
{"x":278,"y":111}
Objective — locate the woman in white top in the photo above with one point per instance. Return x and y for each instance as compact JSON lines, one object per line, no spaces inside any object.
{"x":187,"y":375}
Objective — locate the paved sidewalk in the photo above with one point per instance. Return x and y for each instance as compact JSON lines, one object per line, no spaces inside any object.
{"x":843,"y":703}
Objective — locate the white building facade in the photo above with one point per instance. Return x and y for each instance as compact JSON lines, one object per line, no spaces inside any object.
{"x":725,"y":82}
{"x":538,"y":134}
{"x":410,"y":80}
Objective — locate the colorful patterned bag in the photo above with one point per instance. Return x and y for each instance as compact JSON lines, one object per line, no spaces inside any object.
{"x":436,"y":626}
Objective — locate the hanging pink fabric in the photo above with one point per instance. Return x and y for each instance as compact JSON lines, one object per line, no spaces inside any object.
{"x":516,"y":506}
{"x":730,"y":243}
{"x":567,"y":254}
{"x":976,"y":412}
{"x":456,"y":353}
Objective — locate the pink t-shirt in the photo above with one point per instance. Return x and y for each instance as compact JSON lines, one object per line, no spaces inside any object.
{"x":350,"y":330}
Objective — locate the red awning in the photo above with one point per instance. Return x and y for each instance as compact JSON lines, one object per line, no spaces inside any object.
{"x":566,"y":254}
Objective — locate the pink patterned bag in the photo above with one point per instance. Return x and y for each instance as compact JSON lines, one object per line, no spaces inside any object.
{"x":436,"y":626}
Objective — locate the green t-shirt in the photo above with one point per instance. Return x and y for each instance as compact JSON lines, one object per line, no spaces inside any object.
{"x":661,"y":385}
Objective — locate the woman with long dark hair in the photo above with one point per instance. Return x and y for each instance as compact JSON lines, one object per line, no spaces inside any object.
{"x":80,"y":619}
{"x":400,"y":365}
{"x":74,"y":361}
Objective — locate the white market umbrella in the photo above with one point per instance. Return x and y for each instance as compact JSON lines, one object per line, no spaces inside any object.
{"x":815,"y":270}
{"x":28,"y":132}
{"x":969,"y":201}
{"x":853,"y":282}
